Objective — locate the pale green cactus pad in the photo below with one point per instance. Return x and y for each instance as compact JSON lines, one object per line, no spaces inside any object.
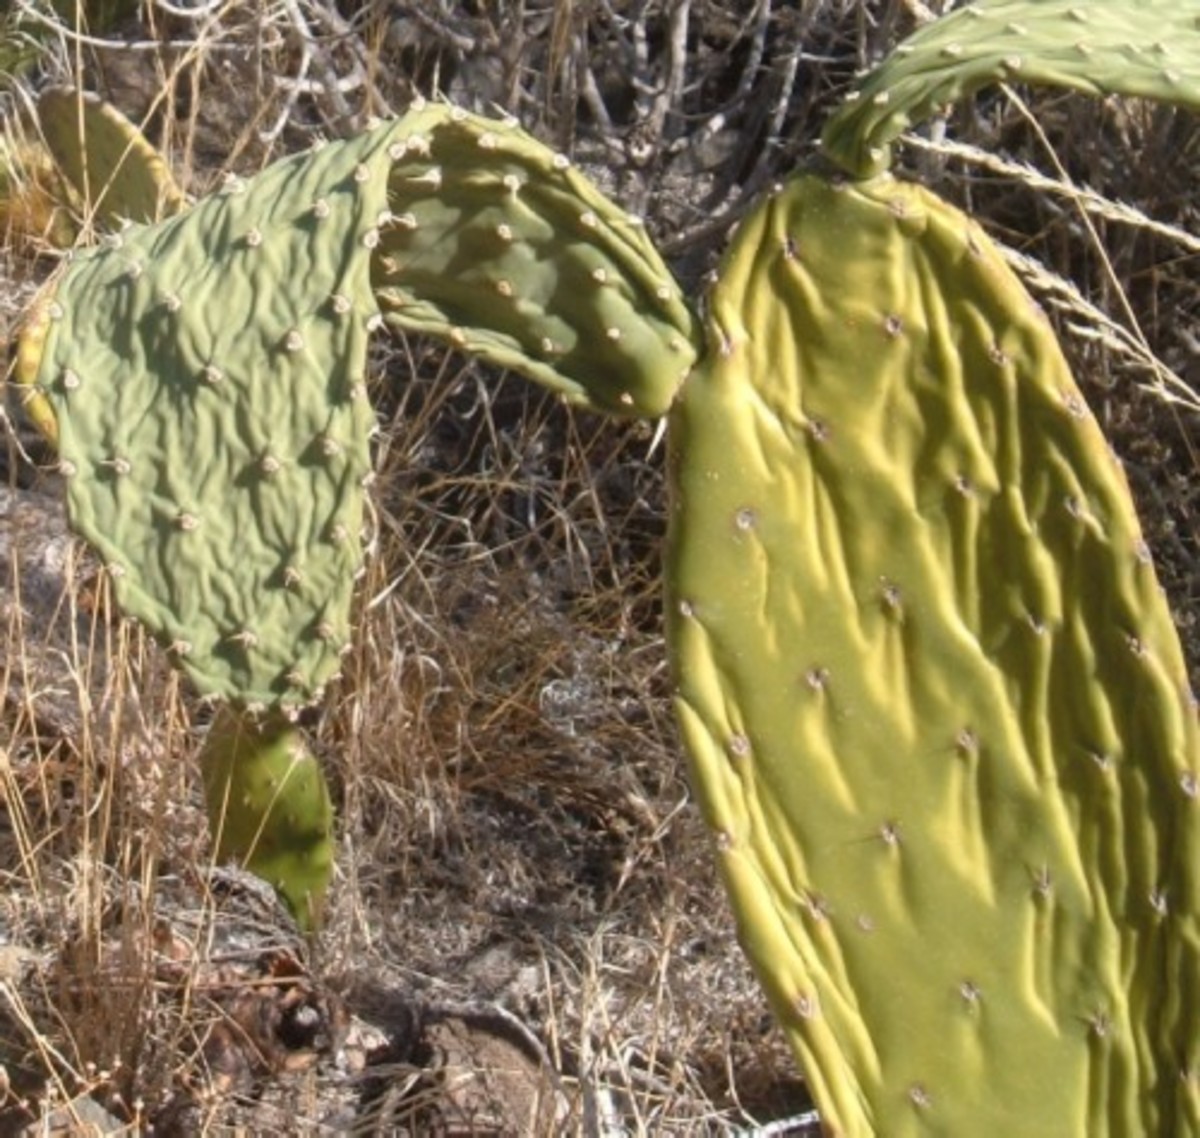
{"x":1148,"y":48}
{"x":935,"y":704}
{"x":501,"y":247}
{"x":207,"y":376}
{"x":269,"y":807}
{"x":117,"y":174}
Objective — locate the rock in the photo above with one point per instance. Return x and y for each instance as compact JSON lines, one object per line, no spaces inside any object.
{"x":80,"y":1118}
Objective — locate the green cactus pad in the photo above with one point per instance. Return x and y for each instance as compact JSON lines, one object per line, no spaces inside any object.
{"x":208,"y":379}
{"x":1148,"y":48}
{"x":269,"y":807}
{"x":118,"y":175}
{"x":935,"y":704}
{"x":501,"y":247}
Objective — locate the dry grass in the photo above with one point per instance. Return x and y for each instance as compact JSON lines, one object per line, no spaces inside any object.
{"x":515,"y":819}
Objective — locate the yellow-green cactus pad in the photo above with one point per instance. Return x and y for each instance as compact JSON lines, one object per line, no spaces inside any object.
{"x":935,"y":704}
{"x":501,"y":247}
{"x":117,"y":174}
{"x":1149,"y":48}
{"x":269,"y":807}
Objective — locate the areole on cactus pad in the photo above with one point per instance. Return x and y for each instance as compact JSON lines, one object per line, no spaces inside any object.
{"x":935,"y":704}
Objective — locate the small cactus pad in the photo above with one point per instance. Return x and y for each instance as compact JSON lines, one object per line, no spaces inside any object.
{"x":936,"y":708}
{"x":118,"y":175}
{"x":1148,"y":48}
{"x":269,"y":807}
{"x":501,"y":247}
{"x":207,"y":375}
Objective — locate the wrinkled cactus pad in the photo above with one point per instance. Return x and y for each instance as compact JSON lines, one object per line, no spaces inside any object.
{"x":501,"y":247}
{"x":1148,"y":48}
{"x":207,"y":375}
{"x":935,"y":704}
{"x":269,"y":807}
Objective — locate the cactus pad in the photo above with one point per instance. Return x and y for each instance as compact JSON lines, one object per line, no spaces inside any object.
{"x":935,"y":704}
{"x":1148,"y":48}
{"x":501,"y":247}
{"x":269,"y":807}
{"x":118,"y":175}
{"x":207,"y":376}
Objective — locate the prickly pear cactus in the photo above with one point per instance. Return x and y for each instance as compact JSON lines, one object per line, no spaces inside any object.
{"x":207,"y":379}
{"x":204,"y":377}
{"x":1147,"y":48}
{"x":501,"y":247}
{"x":117,"y":174}
{"x":934,"y":700}
{"x":269,"y":807}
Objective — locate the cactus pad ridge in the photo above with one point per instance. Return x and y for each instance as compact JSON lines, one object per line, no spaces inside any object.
{"x":117,"y":174}
{"x":269,"y":807}
{"x":936,"y":709}
{"x":206,"y":375}
{"x":1147,"y":48}
{"x":501,"y":247}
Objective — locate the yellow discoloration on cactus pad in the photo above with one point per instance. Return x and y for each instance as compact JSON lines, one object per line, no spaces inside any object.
{"x":904,"y":572}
